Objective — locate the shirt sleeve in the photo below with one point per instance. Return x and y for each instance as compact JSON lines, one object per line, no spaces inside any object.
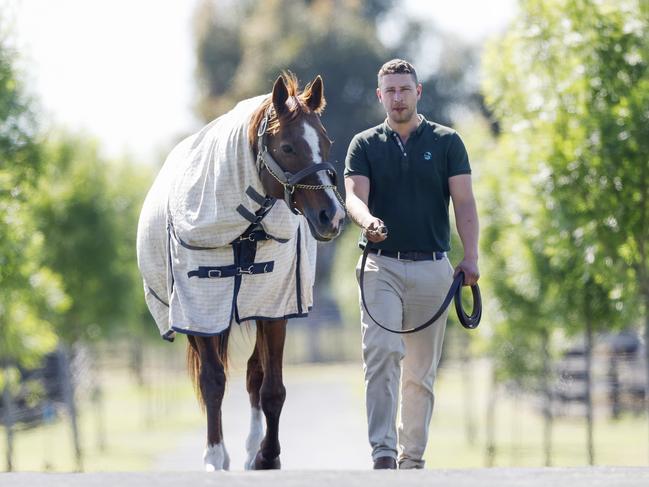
{"x":356,"y":163}
{"x":457,"y":158}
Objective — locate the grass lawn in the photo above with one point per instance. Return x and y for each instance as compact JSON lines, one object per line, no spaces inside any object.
{"x":139,"y":424}
{"x":142,"y":423}
{"x":519,"y":430}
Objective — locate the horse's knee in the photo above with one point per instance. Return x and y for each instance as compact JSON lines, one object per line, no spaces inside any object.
{"x":272,"y":398}
{"x":212,"y":380}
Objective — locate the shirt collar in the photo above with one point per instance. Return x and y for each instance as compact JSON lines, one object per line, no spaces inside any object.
{"x":417,"y":131}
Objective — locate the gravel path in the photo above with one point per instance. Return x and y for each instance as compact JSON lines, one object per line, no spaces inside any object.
{"x":501,"y":477}
{"x":322,"y":426}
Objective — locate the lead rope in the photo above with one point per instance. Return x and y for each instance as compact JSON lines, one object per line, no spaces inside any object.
{"x":467,"y":321}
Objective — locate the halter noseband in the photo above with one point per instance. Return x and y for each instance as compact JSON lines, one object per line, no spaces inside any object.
{"x":289,"y":181}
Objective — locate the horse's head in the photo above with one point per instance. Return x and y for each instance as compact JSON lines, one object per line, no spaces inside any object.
{"x":292,"y":149}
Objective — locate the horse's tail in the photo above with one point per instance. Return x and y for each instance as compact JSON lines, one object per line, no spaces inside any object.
{"x":218,"y":343}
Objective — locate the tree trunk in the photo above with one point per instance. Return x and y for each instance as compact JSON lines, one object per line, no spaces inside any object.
{"x":468,"y":390}
{"x":613,"y":378}
{"x":137,"y":360}
{"x":548,"y":417}
{"x":646,"y":349}
{"x":68,"y":394}
{"x":97,"y":397}
{"x":490,"y":439}
{"x":8,"y":420}
{"x":516,"y":426}
{"x":588,"y":356}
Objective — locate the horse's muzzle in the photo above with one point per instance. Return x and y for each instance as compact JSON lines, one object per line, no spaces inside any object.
{"x":327,"y":223}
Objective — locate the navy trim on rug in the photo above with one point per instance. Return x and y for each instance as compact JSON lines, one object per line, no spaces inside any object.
{"x":237,"y":285}
{"x":198,"y":333}
{"x":154,"y":294}
{"x":169,"y":336}
{"x":171,"y":266}
{"x":298,"y":286}
{"x":285,"y":317}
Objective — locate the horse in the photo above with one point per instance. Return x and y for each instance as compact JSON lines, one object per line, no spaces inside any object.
{"x":285,"y":154}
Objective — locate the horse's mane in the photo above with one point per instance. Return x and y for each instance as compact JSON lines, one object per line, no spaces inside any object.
{"x":296,"y":103}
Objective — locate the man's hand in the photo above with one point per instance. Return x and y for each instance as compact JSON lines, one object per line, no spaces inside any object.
{"x":470,"y":269}
{"x":375,"y":230}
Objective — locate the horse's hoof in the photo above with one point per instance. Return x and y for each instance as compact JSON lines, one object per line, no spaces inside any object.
{"x":216,"y":458}
{"x":262,"y":464}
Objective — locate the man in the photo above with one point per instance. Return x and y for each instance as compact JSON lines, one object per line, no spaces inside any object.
{"x":399,"y":176}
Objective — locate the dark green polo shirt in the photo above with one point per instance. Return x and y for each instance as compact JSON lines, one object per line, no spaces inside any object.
{"x":409,"y":182}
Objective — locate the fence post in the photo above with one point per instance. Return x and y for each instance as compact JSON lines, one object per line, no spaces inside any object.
{"x":8,"y":419}
{"x":68,"y":393}
{"x":490,"y":422}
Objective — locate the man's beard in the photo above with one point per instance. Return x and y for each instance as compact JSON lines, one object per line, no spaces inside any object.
{"x":403,"y":116}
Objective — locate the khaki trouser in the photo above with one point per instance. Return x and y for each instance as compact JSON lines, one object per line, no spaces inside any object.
{"x":402,"y":294}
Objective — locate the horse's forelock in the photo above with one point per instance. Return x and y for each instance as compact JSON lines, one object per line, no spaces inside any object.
{"x":291,"y":83}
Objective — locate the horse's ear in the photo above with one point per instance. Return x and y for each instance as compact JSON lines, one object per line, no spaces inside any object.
{"x":314,"y":96}
{"x":280,"y":95}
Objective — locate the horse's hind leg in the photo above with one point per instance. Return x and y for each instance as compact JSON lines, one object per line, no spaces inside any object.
{"x":272,"y":392}
{"x":211,"y":381}
{"x":254,"y":377}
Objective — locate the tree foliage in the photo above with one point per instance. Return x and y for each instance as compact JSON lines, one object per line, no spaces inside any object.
{"x":568,"y":84}
{"x":334,"y":39}
{"x":30,"y":292}
{"x":86,"y":211}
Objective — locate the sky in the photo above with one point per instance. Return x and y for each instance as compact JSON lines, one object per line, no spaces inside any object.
{"x":122,"y":71}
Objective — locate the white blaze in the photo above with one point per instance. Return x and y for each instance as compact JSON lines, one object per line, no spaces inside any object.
{"x":313,"y":141}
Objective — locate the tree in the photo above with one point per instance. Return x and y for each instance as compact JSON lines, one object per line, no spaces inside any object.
{"x":84,"y":222}
{"x":334,"y":39}
{"x":567,"y":83}
{"x":31,"y":293}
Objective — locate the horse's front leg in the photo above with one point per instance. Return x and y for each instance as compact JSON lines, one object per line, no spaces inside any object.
{"x":254,"y":378}
{"x":272,"y":392}
{"x":211,"y":380}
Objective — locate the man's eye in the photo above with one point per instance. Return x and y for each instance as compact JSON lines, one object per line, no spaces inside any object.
{"x":287,"y":149}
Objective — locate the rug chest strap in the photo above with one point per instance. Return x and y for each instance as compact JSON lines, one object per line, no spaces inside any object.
{"x":208,"y":272}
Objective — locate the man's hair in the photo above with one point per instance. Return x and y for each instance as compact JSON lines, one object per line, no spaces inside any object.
{"x":397,"y":66}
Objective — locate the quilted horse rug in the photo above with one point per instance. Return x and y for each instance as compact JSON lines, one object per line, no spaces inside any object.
{"x":195,"y":280}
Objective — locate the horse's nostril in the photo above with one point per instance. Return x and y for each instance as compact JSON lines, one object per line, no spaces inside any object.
{"x":324,"y":217}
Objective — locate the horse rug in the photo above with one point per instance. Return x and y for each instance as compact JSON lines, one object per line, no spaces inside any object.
{"x":198,"y":275}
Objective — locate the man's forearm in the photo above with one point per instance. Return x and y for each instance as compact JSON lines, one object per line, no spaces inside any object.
{"x":357,"y":210}
{"x":466,"y":220}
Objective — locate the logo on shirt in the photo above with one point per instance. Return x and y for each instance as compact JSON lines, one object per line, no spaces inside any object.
{"x":428,"y":156}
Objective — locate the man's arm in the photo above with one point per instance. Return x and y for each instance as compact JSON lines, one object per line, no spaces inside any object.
{"x":358,"y":192}
{"x":466,"y":220}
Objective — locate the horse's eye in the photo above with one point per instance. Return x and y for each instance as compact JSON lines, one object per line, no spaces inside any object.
{"x":287,"y":149}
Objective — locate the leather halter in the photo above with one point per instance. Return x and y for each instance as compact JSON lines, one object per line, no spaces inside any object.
{"x":290,"y":181}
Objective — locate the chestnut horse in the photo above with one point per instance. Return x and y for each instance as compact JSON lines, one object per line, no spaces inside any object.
{"x":290,"y":147}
